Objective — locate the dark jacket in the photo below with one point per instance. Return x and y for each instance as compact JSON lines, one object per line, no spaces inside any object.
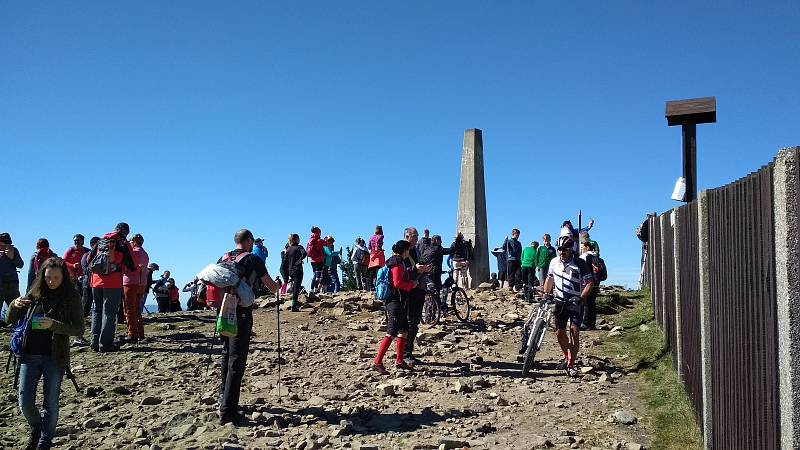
{"x":67,"y":321}
{"x":434,"y":255}
{"x":461,"y":250}
{"x":9,"y":266}
{"x":514,"y":249}
{"x":293,"y":260}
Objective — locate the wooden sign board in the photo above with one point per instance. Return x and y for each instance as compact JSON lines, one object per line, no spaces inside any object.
{"x":694,"y":110}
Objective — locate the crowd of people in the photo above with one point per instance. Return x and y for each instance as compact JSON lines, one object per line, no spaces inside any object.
{"x":115,"y":271}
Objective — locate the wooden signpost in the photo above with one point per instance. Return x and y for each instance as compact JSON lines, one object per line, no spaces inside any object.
{"x":689,"y":113}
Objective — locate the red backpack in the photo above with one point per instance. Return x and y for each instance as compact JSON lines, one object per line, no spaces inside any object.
{"x":314,"y":248}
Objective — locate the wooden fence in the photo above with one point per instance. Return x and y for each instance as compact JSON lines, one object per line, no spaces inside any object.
{"x":711,"y":266}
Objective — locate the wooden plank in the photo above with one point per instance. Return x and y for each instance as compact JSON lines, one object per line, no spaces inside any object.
{"x":694,"y":110}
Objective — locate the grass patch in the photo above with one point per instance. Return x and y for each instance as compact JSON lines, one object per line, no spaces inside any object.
{"x":641,"y":349}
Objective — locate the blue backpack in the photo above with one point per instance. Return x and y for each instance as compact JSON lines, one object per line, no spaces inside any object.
{"x":382,"y":286}
{"x":19,"y":334}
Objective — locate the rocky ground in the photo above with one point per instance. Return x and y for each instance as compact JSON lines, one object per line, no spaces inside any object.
{"x":468,"y":394}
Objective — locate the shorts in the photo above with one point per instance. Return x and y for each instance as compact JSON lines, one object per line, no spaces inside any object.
{"x":396,"y":317}
{"x":569,"y":312}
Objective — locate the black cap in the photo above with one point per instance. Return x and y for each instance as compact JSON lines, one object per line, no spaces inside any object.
{"x":5,"y":238}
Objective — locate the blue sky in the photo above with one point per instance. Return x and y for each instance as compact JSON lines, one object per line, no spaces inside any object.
{"x":190,"y":120}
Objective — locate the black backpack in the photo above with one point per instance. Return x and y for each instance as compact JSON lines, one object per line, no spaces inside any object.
{"x":103,"y":261}
{"x":599,"y":269}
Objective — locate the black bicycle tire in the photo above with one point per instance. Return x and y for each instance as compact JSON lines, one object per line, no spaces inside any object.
{"x":431,"y":302}
{"x":530,"y":353}
{"x":456,"y":291}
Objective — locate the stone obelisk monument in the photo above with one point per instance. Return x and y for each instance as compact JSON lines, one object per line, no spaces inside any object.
{"x":472,"y":205}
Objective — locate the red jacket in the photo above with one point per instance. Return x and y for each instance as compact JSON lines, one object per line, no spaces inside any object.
{"x":123,"y":259}
{"x":73,"y":259}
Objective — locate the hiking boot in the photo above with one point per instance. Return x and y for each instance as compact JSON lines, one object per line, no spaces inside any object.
{"x":294,"y":309}
{"x":110,"y":349}
{"x":236,"y":419}
{"x":380,"y":369}
{"x":44,"y":446}
{"x":33,"y":441}
{"x":403,"y":366}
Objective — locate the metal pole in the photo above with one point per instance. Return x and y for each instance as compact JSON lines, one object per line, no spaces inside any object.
{"x":278,"y":305}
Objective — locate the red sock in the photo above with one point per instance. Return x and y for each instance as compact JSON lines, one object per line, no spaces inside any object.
{"x":400,"y":346}
{"x":382,"y":348}
{"x":566,"y":356}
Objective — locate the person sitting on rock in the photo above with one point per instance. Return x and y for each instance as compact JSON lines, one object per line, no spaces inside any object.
{"x":401,"y":285}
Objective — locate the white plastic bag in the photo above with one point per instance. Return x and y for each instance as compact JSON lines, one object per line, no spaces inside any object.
{"x":218,"y":275}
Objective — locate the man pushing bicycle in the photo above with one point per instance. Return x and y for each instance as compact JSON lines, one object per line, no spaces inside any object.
{"x":570,"y":280}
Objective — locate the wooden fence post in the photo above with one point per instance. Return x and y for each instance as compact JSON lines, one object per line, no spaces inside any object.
{"x":705,"y":318}
{"x":786,"y":185}
{"x":677,"y":280}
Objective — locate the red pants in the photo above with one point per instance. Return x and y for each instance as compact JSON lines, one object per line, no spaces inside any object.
{"x":132,"y":296}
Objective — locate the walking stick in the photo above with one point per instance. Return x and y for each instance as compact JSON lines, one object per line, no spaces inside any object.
{"x":211,"y":349}
{"x":278,"y":305}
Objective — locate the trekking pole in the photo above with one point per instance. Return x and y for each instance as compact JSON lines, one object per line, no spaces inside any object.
{"x":278,"y":305}
{"x":211,"y":349}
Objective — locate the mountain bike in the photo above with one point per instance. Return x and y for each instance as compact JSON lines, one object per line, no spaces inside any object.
{"x":535,"y":327}
{"x":434,"y":308}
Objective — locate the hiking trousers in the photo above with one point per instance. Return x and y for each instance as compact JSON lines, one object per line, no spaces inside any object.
{"x":133,"y":317}
{"x":234,"y":362}
{"x":104,"y":317}
{"x":415,"y":304}
{"x":297,"y":284}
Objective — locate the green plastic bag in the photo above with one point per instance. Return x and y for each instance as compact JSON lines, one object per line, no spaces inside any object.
{"x":227,"y":324}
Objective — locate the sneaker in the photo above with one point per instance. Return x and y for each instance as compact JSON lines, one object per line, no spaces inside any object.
{"x":572,"y":371}
{"x":113,"y":348}
{"x":80,"y":342}
{"x":380,"y":369}
{"x":294,"y":309}
{"x":403,"y":366}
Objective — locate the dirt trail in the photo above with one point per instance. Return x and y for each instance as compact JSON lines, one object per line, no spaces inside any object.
{"x":469,"y":392}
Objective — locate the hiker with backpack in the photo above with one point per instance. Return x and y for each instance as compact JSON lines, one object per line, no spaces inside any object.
{"x":377,"y":259}
{"x":41,"y":255}
{"x":108,"y":259}
{"x":174,"y":296}
{"x":589,"y":306}
{"x":134,"y":285}
{"x":315,"y":252}
{"x":50,"y":313}
{"x":360,"y":259}
{"x":151,"y":268}
{"x":400,"y":284}
{"x":260,"y":250}
{"x":161,"y":292}
{"x":72,"y":257}
{"x":234,"y":355}
{"x":293,"y":265}
{"x":10,"y":261}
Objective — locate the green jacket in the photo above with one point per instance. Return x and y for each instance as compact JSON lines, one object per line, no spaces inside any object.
{"x":543,"y":257}
{"x":528,"y":257}
{"x":67,"y":321}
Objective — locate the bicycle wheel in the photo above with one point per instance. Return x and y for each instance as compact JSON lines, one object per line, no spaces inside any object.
{"x":537,"y":330}
{"x":460,"y":303}
{"x":430,"y":310}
